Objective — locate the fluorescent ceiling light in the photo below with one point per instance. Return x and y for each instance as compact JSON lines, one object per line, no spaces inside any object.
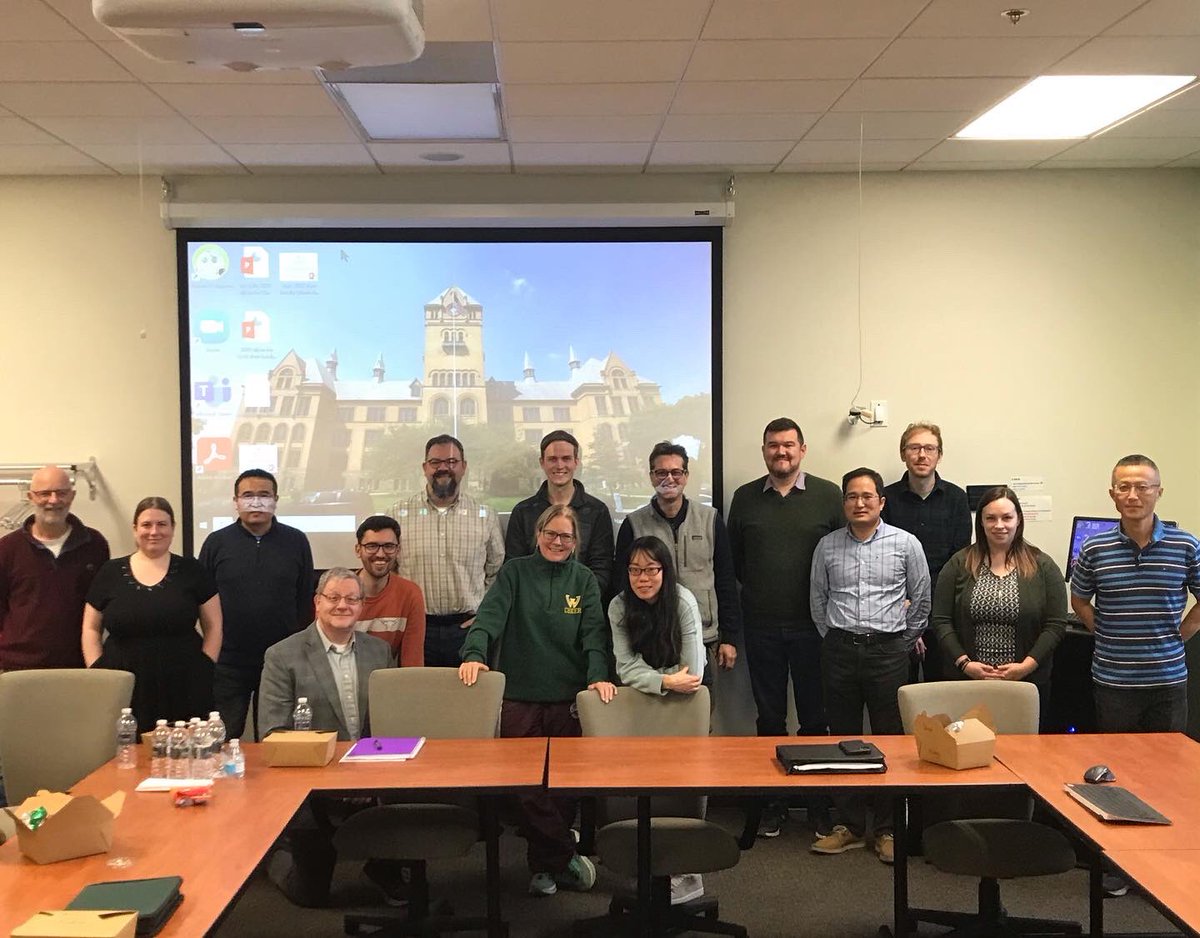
{"x":1067,"y":107}
{"x":389,"y":111}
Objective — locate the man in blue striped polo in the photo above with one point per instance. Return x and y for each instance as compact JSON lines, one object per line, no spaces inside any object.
{"x":1139,"y":574}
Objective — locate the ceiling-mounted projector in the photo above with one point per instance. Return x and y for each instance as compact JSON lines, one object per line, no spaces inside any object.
{"x":246,"y":35}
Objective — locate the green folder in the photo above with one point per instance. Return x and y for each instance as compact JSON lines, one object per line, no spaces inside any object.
{"x":154,"y":900}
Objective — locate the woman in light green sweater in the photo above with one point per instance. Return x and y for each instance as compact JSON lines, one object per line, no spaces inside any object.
{"x":547,"y":609}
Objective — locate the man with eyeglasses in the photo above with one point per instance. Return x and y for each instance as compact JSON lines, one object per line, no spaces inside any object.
{"x":703,"y":556}
{"x":46,"y":567}
{"x":935,"y":511}
{"x":1139,"y":575}
{"x":264,"y":573}
{"x":393,"y":607}
{"x":330,"y":663}
{"x":870,"y":602}
{"x":454,"y":549}
{"x":559,"y":462}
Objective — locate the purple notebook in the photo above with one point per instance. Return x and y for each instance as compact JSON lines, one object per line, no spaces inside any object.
{"x":384,"y":749}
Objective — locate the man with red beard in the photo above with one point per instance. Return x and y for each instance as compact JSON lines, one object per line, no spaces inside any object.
{"x":393,"y":607}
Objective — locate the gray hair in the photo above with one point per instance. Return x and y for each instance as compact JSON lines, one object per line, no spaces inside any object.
{"x":338,"y":573}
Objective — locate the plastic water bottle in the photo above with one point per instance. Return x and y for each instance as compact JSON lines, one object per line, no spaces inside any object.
{"x":302,"y":715}
{"x":158,"y":751}
{"x":127,"y":739}
{"x":179,"y":752}
{"x":201,"y":750}
{"x":216,"y":729}
{"x":235,"y":765}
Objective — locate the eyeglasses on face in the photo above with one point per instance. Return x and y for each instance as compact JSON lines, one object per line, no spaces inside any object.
{"x":337,"y":599}
{"x":662,"y":474}
{"x":559,"y":536}
{"x":651,"y":570}
{"x":370,"y":547}
{"x":1141,"y":488}
{"x":436,"y":464}
{"x":247,"y":498}
{"x":854,"y":497}
{"x":916,"y":449}
{"x":43,"y":495}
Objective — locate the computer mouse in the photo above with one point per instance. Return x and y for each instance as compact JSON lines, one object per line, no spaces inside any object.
{"x":1099,"y":773}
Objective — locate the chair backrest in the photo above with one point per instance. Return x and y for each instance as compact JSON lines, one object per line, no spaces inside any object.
{"x":57,"y":725}
{"x":1013,"y":704}
{"x":434,"y":702}
{"x":632,"y":713}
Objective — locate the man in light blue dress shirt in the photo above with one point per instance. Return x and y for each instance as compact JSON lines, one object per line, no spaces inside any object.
{"x":870,"y":602}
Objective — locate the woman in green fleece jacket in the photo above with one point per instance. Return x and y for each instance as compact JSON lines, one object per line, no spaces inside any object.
{"x":547,"y":609}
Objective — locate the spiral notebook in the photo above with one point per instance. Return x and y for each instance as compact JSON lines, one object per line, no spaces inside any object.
{"x":384,"y":749}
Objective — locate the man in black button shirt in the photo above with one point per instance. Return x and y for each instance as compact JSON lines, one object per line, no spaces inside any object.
{"x":935,"y":511}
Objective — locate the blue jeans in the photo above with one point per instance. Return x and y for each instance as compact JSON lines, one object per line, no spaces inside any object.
{"x":1141,"y":710}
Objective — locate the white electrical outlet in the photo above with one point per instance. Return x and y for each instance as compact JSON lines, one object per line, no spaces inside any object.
{"x":879,"y":413}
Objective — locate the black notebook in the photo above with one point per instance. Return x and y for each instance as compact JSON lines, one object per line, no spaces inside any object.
{"x":818,"y":758}
{"x":154,"y":900}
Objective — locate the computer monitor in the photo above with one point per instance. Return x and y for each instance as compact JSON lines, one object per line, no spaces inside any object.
{"x":1084,"y":527}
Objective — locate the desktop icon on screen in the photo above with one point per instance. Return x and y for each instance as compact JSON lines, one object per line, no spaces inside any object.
{"x":256,"y":262}
{"x":210,"y":262}
{"x":212,"y":390}
{"x":298,"y":267}
{"x":211,"y":327}
{"x":256,"y":326}
{"x":213,"y":453}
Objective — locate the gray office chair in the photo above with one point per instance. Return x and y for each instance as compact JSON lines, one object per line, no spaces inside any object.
{"x":998,"y":840}
{"x":57,"y":725}
{"x":681,"y":840}
{"x":434,"y":703}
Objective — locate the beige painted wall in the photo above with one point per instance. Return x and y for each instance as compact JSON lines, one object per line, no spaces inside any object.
{"x":1049,"y":321}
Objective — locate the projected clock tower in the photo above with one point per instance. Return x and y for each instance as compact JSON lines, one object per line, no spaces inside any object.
{"x":454,"y":367}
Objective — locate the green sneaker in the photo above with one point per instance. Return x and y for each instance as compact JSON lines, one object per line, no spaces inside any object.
{"x":579,"y":875}
{"x":542,"y":884}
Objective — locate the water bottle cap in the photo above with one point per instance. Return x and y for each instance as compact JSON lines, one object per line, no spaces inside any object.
{"x":301,"y":700}
{"x":160,"y":723}
{"x":214,"y":715}
{"x":125,"y":710}
{"x":180,"y":723}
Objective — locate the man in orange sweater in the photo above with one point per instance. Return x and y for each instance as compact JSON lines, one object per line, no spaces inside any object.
{"x":393,"y":607}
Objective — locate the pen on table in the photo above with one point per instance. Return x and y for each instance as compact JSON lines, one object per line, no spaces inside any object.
{"x":378,"y":744}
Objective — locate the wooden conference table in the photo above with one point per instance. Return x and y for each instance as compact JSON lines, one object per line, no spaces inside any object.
{"x":216,"y":847}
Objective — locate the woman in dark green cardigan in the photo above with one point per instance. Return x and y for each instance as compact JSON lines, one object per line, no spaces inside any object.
{"x":1000,"y":608}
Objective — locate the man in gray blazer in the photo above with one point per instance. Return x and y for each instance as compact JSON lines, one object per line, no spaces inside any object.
{"x":329,"y":663}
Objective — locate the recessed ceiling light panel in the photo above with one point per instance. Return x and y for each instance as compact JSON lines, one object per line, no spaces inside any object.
{"x":389,"y":112}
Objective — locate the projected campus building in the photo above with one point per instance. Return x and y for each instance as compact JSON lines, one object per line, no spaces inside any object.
{"x":324,"y":424}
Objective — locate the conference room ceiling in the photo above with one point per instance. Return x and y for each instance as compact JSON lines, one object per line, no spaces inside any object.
{"x":627,"y":86}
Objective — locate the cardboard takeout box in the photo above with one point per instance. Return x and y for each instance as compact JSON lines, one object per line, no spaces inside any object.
{"x":966,"y":743}
{"x":65,"y":923}
{"x":299,"y":747}
{"x":73,"y":827}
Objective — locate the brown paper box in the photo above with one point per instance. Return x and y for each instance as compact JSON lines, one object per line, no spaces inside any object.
{"x":971,"y":746}
{"x":66,"y":923}
{"x":74,"y":826}
{"x":299,"y":747}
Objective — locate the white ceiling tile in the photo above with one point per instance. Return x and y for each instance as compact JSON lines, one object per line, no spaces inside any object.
{"x":57,"y":61}
{"x":567,"y":62}
{"x":808,"y":19}
{"x":580,"y":154}
{"x":1159,"y":122}
{"x":248,"y":100}
{"x":157,"y":158}
{"x":1186,"y":100}
{"x":458,"y":21}
{"x":987,"y":151}
{"x":79,"y":14}
{"x":846,"y":151}
{"x":1186,"y":162}
{"x":51,"y":159}
{"x":585,"y":100}
{"x":992,"y":58}
{"x":1101,"y":164}
{"x":741,"y":169}
{"x":1160,"y":18}
{"x":1046,"y":18}
{"x":258,"y":157}
{"x":585,"y":20}
{"x":78,"y":99}
{"x":277,"y":129}
{"x":736,"y":126}
{"x":1132,"y":55}
{"x":756,"y":97}
{"x":81,"y":131}
{"x":773,"y":59}
{"x":1106,"y":147}
{"x":983,"y":166}
{"x":562,"y":129}
{"x":26,"y":20}
{"x":720,"y":152}
{"x":926,"y":94}
{"x":153,"y":71}
{"x":396,"y":155}
{"x":13,"y":130}
{"x":888,"y":125}
{"x":875,"y":167}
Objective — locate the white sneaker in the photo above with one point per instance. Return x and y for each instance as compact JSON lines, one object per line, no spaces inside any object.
{"x":542,"y":884}
{"x":685,"y":887}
